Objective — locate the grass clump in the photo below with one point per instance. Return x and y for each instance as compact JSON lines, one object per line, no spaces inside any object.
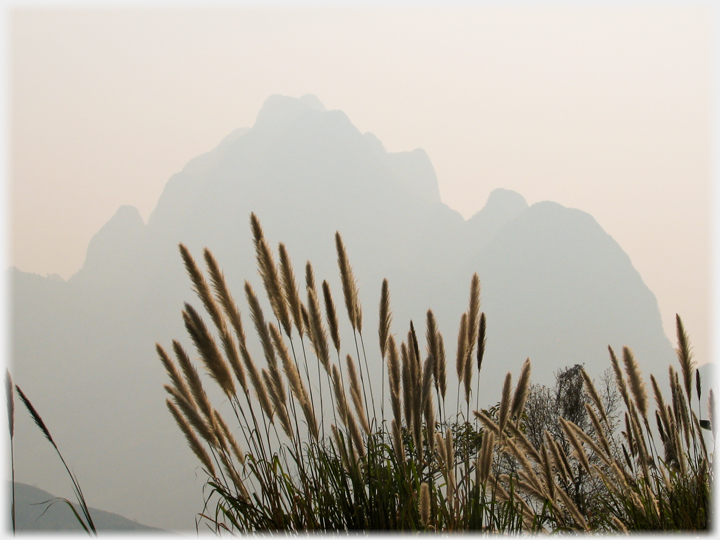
{"x":305,"y":448}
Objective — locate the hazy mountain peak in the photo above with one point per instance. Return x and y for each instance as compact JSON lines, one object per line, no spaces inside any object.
{"x":278,"y":108}
{"x":374,"y":143}
{"x":502,"y":206}
{"x":505,"y":201}
{"x":312,"y":101}
{"x":415,"y":172}
{"x":110,"y":246}
{"x":127,"y":218}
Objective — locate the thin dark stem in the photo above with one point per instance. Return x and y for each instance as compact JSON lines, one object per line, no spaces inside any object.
{"x":12,"y":466}
{"x":372,"y":398}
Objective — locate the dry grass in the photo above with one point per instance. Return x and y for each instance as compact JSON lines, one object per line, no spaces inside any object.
{"x":362,"y":473}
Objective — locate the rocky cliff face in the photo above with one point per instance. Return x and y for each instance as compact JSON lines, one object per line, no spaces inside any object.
{"x":555,"y":288}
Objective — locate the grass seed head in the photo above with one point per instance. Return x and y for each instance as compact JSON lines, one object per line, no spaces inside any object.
{"x":385,"y":317}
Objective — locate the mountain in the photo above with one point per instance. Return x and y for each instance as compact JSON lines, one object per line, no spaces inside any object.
{"x":34,"y":514}
{"x":555,"y":288}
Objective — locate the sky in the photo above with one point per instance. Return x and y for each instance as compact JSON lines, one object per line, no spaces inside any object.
{"x":607,"y":108}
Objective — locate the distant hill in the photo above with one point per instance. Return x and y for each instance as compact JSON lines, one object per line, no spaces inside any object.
{"x":555,"y":288}
{"x":32,"y":515}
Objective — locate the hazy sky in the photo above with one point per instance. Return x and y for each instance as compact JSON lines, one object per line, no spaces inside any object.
{"x":605,"y":109}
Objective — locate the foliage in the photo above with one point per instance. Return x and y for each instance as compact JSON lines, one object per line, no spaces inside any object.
{"x":315,"y":455}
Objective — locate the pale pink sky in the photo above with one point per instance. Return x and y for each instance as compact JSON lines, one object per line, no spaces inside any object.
{"x":603,"y":109}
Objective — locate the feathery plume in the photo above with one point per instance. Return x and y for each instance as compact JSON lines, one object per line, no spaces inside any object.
{"x":385,"y":317}
{"x":592,"y":392}
{"x":572,"y":437}
{"x":209,"y":353}
{"x":440,"y":451}
{"x":193,"y":380}
{"x":223,"y":296}
{"x":473,"y":314}
{"x":599,"y":433}
{"x":547,"y":472}
{"x":203,"y":291}
{"x":684,"y":354}
{"x":505,"y":403}
{"x":499,"y":490}
{"x":407,"y":384}
{"x":521,"y":391}
{"x":349,"y":285}
{"x":574,"y":512}
{"x":278,"y":404}
{"x":394,"y":377}
{"x":618,"y":524}
{"x":318,"y":337}
{"x":355,"y":435}
{"x":172,"y":372}
{"x":331,"y":316}
{"x":482,"y":338}
{"x":559,"y":459}
{"x":522,"y":441}
{"x":424,"y":504}
{"x":309,"y":277}
{"x":268,"y":273}
{"x":200,"y":286}
{"x":524,"y":486}
{"x":605,"y":457}
{"x":661,"y":429}
{"x":683,"y":408}
{"x":674,"y":392}
{"x":619,"y":379}
{"x":639,"y":442}
{"x":660,"y":402}
{"x":35,"y":416}
{"x":427,"y":379}
{"x":356,"y":394}
{"x":461,"y":348}
{"x":485,"y":461}
{"x":431,"y":336}
{"x":441,"y":362}
{"x":261,"y":327}
{"x":292,"y":295}
{"x":192,"y":440}
{"x":487,"y":422}
{"x":413,"y":346}
{"x":637,"y":385}
{"x":192,"y":415}
{"x":530,"y":475}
